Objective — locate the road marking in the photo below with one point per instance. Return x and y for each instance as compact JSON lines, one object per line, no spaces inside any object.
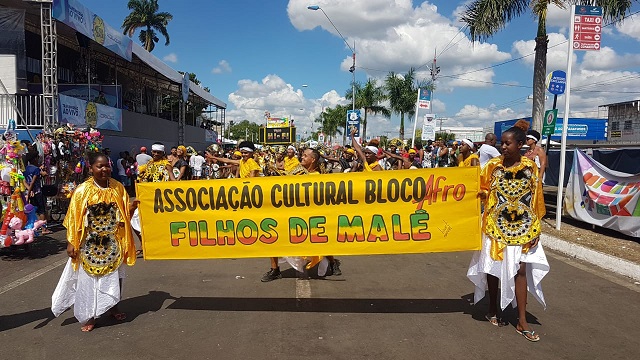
{"x":31,"y":276}
{"x":303,"y":289}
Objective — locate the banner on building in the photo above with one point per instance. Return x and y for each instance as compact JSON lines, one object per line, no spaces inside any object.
{"x":395,"y":212}
{"x":77,"y":16}
{"x":82,"y":113}
{"x":604,"y":197}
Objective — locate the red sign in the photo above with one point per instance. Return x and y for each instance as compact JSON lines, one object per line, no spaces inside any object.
{"x":587,"y":31}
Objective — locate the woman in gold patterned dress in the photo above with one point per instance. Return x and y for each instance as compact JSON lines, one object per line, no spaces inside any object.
{"x":99,"y":242}
{"x":511,"y":254}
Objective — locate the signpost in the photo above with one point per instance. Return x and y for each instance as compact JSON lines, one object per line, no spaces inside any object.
{"x":586,"y":23}
{"x":587,"y":28}
{"x":556,"y":84}
{"x":353,"y":121}
{"x":549,"y":125}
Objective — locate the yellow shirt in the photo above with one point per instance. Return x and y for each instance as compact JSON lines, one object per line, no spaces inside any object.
{"x":370,"y":167}
{"x":290,"y":163}
{"x":246,"y":167}
{"x":467,"y":161}
{"x":87,"y":194}
{"x":514,"y":205}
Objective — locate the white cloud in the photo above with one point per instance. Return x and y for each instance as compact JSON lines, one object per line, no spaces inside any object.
{"x":607,"y":58}
{"x":630,"y":27}
{"x":273,"y":94}
{"x":475,"y":116}
{"x":172,"y":58}
{"x":394,"y":36}
{"x":223,"y":67}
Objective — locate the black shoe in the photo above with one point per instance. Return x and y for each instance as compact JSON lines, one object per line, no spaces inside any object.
{"x":335,"y":268}
{"x":329,"y":271}
{"x":271,"y":275}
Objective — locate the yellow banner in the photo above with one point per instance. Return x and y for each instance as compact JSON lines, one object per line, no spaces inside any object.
{"x":389,"y":212}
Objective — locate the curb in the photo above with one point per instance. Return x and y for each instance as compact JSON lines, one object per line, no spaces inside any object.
{"x":605,"y":261}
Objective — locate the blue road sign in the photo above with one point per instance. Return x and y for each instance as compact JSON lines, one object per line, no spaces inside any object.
{"x":556,"y":82}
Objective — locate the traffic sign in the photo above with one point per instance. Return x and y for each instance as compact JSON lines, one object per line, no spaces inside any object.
{"x":549,"y":125}
{"x":587,"y":28}
{"x":556,"y":82}
{"x":353,"y":121}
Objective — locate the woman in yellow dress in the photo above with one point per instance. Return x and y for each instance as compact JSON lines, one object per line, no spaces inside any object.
{"x":511,"y":254}
{"x":99,"y":242}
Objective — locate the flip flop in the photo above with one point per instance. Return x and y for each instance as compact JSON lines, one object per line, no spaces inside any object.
{"x":495,"y":321}
{"x":529,"y":335}
{"x":119,"y":316}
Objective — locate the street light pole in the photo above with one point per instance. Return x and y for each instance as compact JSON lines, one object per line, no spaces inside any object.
{"x":352,"y":69}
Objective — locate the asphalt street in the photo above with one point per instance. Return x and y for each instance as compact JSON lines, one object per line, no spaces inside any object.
{"x":382,"y":307}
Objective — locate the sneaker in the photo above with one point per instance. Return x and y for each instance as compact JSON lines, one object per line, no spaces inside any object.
{"x":329,"y":271}
{"x":271,"y":275}
{"x":335,"y":268}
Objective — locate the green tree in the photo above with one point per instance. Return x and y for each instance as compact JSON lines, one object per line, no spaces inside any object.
{"x":333,"y":120}
{"x":144,"y":14}
{"x":369,"y":97}
{"x":487,"y":17}
{"x":244,"y":130}
{"x":402,"y":95}
{"x":446,"y":136}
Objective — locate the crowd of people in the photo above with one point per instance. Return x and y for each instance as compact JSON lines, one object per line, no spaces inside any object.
{"x":511,"y":258}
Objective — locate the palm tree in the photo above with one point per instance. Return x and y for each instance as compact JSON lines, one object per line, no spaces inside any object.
{"x":332,"y":120}
{"x":402,"y":95}
{"x":487,"y":17}
{"x":369,"y":97}
{"x":144,"y":15}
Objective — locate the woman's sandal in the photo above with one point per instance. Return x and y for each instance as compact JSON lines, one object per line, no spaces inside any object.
{"x":119,"y":316}
{"x":495,"y":320}
{"x":529,"y":335}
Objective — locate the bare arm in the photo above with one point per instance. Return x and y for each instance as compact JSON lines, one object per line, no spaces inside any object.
{"x":357,"y":147}
{"x":227,"y":161}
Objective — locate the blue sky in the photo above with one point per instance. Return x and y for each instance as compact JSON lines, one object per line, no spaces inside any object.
{"x":256,"y":55}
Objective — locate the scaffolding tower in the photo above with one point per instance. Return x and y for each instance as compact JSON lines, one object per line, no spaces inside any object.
{"x":49,"y":65}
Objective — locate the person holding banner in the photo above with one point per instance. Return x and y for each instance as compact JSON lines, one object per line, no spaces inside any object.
{"x":369,"y":155}
{"x":535,"y":152}
{"x":247,"y":167}
{"x":99,"y":242}
{"x":511,"y":255}
{"x":158,"y":168}
{"x":468,"y":157}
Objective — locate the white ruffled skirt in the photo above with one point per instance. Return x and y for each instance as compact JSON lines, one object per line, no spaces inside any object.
{"x":506,"y":270}
{"x":91,"y":296}
{"x":299,"y":263}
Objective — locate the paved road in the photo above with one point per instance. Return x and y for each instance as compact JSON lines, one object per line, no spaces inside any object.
{"x":383,"y":307}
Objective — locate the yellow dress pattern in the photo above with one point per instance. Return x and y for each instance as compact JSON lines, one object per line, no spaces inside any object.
{"x":514,"y":206}
{"x":154,"y":171}
{"x":370,"y":167}
{"x":99,"y":216}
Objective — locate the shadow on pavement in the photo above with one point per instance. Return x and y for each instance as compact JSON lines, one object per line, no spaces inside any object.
{"x":509,"y":314}
{"x":382,"y":306}
{"x":8,"y":322}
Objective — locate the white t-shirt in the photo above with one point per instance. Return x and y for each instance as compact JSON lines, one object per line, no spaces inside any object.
{"x":143,"y":158}
{"x":121,"y":170}
{"x":195,"y":162}
{"x":486,"y":153}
